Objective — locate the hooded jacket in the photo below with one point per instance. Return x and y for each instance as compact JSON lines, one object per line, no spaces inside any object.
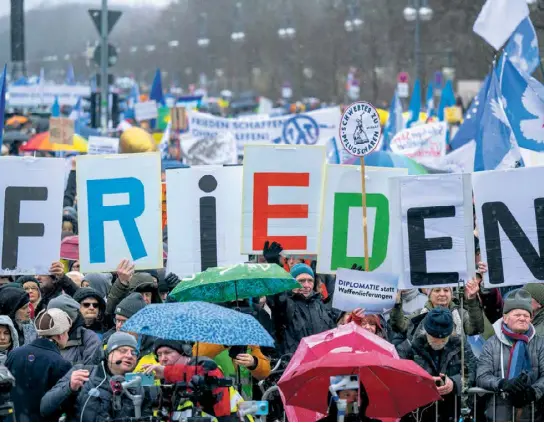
{"x":84,"y":346}
{"x":140,"y":282}
{"x":12,"y":298}
{"x":538,"y":322}
{"x":492,"y":368}
{"x":100,"y":282}
{"x":6,"y":321}
{"x":98,"y":326}
{"x":296,"y":317}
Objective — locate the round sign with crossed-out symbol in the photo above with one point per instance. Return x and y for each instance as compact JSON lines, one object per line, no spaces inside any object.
{"x":300,"y":129}
{"x":360,"y":129}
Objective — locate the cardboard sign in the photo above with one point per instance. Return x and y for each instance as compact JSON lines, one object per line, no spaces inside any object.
{"x":510,"y":218}
{"x":178,"y":118}
{"x":341,"y":232}
{"x":119,"y":199}
{"x":282,"y":198}
{"x":426,"y":144}
{"x":31,"y":197}
{"x":61,"y":131}
{"x":146,"y":110}
{"x":204,"y":216}
{"x":436,"y":229}
{"x":103,"y":145}
{"x":375,"y":292}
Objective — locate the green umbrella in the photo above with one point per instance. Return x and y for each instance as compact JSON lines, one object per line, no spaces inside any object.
{"x":223,"y":284}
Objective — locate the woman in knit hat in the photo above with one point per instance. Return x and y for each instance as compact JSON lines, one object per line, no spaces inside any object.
{"x":37,"y":367}
{"x":467,"y":321}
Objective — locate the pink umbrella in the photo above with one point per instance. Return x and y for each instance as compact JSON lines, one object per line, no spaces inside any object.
{"x":349,"y":338}
{"x":69,"y":248}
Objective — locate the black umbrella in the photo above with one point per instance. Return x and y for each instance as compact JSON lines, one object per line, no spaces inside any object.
{"x":11,"y":137}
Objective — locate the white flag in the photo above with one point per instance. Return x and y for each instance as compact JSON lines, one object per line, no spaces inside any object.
{"x":498,"y":19}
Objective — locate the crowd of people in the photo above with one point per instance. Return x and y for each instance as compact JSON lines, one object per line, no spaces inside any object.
{"x":61,"y":338}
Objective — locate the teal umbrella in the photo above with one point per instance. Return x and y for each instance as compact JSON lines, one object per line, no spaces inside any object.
{"x":223,"y":284}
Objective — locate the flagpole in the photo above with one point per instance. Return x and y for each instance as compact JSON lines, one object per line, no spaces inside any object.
{"x":365,"y":225}
{"x":104,"y":91}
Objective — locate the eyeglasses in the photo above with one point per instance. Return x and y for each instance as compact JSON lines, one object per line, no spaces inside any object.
{"x":31,"y":288}
{"x":87,"y":305}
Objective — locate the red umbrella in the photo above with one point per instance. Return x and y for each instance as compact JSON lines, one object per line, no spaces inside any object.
{"x":350,"y":337}
{"x":395,"y":387}
{"x":69,"y":248}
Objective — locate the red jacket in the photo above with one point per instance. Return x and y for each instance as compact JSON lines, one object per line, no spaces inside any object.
{"x":184,"y":373}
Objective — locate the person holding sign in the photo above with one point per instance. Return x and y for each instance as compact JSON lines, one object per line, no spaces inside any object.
{"x":512,"y":363}
{"x":438,"y":351}
{"x":298,"y":313}
{"x":369,"y":322}
{"x":467,"y":321}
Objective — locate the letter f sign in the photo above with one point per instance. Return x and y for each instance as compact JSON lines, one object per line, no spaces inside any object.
{"x":124,"y":214}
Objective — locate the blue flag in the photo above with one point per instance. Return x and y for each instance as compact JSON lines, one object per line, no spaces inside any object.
{"x":415,"y":104}
{"x":522,"y":48}
{"x":524,"y":97}
{"x":447,"y":99}
{"x":156,"y":92}
{"x":429,"y":101}
{"x":70,"y":76}
{"x":2,"y":103}
{"x":496,"y":145}
{"x":469,"y":128}
{"x":395,"y":122}
{"x":55,"y":108}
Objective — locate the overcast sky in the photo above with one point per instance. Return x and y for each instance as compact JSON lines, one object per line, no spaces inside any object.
{"x":31,"y":4}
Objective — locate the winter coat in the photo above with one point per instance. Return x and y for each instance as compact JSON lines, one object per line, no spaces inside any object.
{"x":472,"y":318}
{"x":37,"y":367}
{"x":296,"y":316}
{"x":6,"y":321}
{"x":119,"y":291}
{"x":449,"y":364}
{"x":12,"y":298}
{"x":84,"y":346}
{"x":80,"y":406}
{"x":538,"y":322}
{"x":492,"y":368}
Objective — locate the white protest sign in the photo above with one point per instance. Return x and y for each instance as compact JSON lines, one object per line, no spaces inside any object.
{"x":204,"y":218}
{"x":103,"y":145}
{"x":436,"y":230}
{"x":31,"y":196}
{"x":341,"y":232}
{"x":119,"y":211}
{"x":282,"y":197}
{"x":426,"y":144}
{"x":312,"y":128}
{"x":460,"y":160}
{"x":209,"y":151}
{"x":375,"y":292}
{"x":146,"y":110}
{"x":510,"y":218}
{"x":42,"y":94}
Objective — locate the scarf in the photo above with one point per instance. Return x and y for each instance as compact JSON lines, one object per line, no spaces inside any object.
{"x":519,"y":355}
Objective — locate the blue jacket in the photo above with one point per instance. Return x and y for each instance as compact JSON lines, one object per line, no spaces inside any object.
{"x":37,"y":367}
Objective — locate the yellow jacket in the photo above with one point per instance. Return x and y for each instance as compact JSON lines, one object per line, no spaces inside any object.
{"x":262,"y":371}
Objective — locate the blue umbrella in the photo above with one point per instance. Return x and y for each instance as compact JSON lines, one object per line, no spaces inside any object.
{"x":198,"y":322}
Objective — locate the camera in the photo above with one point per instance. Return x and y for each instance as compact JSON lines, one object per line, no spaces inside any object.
{"x":7,"y":382}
